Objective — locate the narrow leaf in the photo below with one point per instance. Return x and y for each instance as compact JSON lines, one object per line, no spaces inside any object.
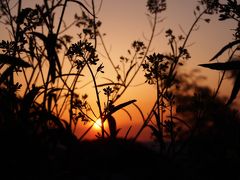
{"x":126,"y":135}
{"x":157,"y":117}
{"x":28,"y":100}
{"x":128,"y":113}
{"x":81,"y":4}
{"x":182,"y":121}
{"x":231,"y":65}
{"x":6,"y":73}
{"x":156,"y":133}
{"x":52,"y":56}
{"x":120,"y":106}
{"x":110,"y":84}
{"x":5,"y":59}
{"x":40,"y":36}
{"x":235,"y":89}
{"x":112,"y":126}
{"x":231,"y":44}
{"x":55,"y":119}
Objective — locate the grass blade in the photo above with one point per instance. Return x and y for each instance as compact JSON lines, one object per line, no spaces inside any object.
{"x":231,"y":44}
{"x":232,"y":65}
{"x":14,"y":61}
{"x":235,"y":89}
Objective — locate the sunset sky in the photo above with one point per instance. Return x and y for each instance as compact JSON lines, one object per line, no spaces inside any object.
{"x":124,"y":21}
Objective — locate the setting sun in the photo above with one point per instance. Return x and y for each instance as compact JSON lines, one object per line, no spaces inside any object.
{"x":98,"y":124}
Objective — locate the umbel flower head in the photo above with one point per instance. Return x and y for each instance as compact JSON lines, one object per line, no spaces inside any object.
{"x":156,"y":6}
{"x":211,"y":5}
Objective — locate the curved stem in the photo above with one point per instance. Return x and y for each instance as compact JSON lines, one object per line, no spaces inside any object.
{"x":108,"y":55}
{"x":193,"y":25}
{"x":61,"y":18}
{"x":94,"y":25}
{"x":146,"y":52}
{"x":97,"y":95}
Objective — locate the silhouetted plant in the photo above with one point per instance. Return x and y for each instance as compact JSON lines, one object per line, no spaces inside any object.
{"x":229,"y":10}
{"x":161,"y":70}
{"x":36,"y":115}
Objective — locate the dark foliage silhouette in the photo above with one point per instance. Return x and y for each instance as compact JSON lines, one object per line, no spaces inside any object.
{"x":228,"y":11}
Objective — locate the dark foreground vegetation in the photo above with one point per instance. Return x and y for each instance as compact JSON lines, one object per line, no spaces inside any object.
{"x":195,"y":132}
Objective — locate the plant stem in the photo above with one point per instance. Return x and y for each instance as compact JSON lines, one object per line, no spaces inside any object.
{"x":97,"y":95}
{"x":144,"y":56}
{"x":223,"y":74}
{"x":94,"y":25}
{"x":108,"y":55}
{"x":158,"y":120}
{"x":61,"y":18}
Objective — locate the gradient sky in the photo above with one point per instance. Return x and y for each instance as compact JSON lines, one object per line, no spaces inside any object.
{"x":125,"y":21}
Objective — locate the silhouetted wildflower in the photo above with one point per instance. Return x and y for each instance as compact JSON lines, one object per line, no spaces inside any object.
{"x":108,"y":91}
{"x":156,"y":6}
